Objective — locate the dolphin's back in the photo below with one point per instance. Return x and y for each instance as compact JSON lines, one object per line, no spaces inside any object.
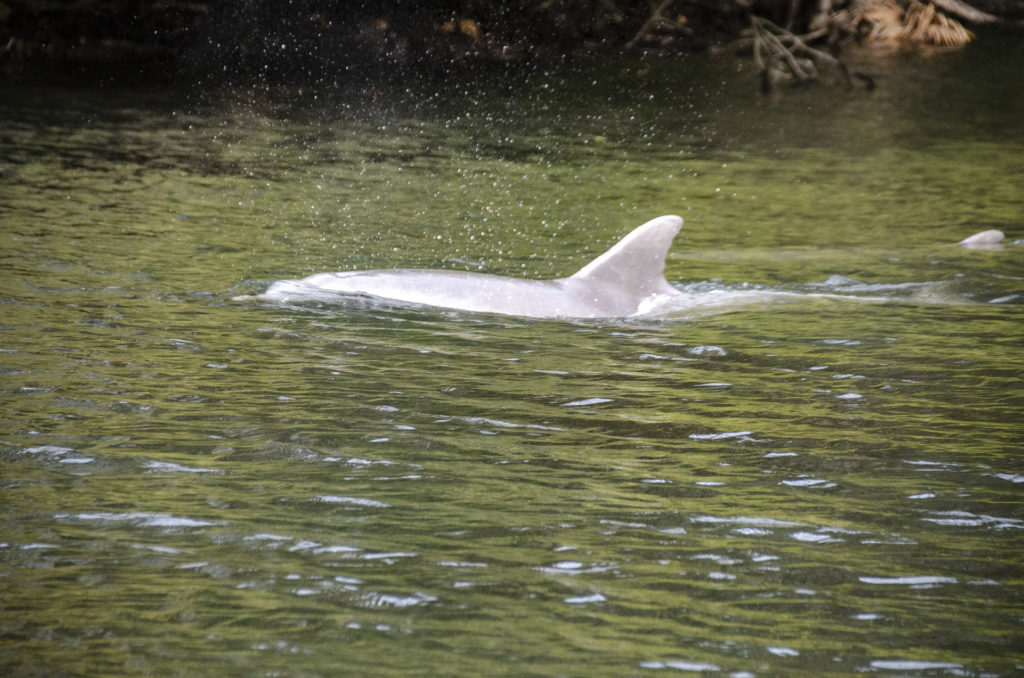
{"x":621,"y":282}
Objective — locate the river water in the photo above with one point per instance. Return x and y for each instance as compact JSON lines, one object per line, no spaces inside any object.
{"x":193,"y":485}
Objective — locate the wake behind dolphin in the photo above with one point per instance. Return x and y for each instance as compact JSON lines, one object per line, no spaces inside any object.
{"x":627,"y":280}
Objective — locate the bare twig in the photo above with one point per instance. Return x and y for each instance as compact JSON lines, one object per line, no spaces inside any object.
{"x":966,"y":12}
{"x":652,"y":22}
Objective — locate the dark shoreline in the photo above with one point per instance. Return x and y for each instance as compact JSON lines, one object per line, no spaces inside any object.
{"x":304,"y":42}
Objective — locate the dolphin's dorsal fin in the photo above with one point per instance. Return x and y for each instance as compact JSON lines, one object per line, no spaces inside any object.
{"x":636,"y":262}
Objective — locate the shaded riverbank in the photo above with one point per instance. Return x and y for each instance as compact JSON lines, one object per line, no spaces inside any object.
{"x":303,"y":42}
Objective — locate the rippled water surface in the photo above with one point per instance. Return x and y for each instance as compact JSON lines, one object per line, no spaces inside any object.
{"x":193,"y":485}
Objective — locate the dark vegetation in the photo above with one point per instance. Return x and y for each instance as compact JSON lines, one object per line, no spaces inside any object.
{"x":325,"y":41}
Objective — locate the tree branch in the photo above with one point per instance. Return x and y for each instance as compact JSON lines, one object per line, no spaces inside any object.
{"x":966,"y":12}
{"x":652,"y":21}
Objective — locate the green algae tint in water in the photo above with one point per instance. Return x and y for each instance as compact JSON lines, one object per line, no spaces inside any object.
{"x":196,"y":486}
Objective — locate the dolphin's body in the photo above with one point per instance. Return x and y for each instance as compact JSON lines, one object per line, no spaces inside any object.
{"x":990,"y":239}
{"x":627,"y":280}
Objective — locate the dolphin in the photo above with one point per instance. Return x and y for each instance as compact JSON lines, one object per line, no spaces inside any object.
{"x":990,"y":239}
{"x":627,"y":280}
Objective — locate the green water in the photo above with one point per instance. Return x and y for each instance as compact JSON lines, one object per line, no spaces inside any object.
{"x":191,"y":485}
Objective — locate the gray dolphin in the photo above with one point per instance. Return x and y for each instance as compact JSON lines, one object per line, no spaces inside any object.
{"x":627,"y":280}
